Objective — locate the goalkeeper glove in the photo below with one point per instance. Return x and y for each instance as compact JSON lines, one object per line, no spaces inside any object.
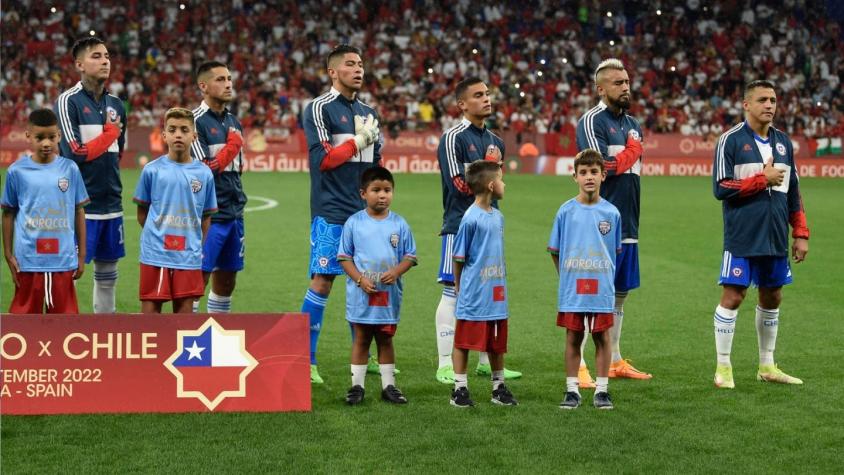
{"x":366,"y":131}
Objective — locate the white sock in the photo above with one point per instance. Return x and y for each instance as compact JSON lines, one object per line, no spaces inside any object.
{"x":358,"y":374}
{"x":196,"y":306}
{"x":445,"y":325}
{"x":583,"y":346}
{"x":615,"y":330}
{"x":571,"y":385}
{"x":725,"y":328}
{"x":105,"y":281}
{"x":218,"y":303}
{"x":388,"y":375}
{"x":460,"y":381}
{"x":497,"y":379}
{"x":601,"y":384}
{"x":767,"y":322}
{"x":483,"y":358}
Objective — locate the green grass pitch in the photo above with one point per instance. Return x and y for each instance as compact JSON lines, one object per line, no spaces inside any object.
{"x":676,"y":422}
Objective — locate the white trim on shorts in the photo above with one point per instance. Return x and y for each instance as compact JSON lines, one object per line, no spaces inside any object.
{"x":103,"y":217}
{"x":448,"y":258}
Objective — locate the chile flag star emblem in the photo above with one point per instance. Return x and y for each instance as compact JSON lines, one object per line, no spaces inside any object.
{"x":211,"y":363}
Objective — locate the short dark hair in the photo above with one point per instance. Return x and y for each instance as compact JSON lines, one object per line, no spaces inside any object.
{"x":480,"y":174}
{"x":43,"y":118}
{"x":461,"y":87}
{"x":341,"y":50}
{"x":588,"y":157}
{"x":759,"y":83}
{"x":84,"y":44}
{"x":208,"y":66}
{"x":374,"y":174}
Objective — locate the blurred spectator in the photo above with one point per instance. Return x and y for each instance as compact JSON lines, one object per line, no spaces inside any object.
{"x":687,"y":59}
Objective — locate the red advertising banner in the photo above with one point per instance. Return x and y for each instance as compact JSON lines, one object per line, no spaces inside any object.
{"x":546,"y":165}
{"x":815,"y":167}
{"x":152,"y":363}
{"x":298,"y":162}
{"x":413,"y":143}
{"x":683,"y":146}
{"x":282,"y":150}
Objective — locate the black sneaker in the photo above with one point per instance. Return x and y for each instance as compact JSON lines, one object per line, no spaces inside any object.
{"x":570,"y":401}
{"x":602,"y":401}
{"x":393,"y":394}
{"x":355,"y":395}
{"x":460,"y":398}
{"x":503,"y":396}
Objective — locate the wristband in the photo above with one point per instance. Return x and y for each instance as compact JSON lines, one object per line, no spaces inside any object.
{"x":359,"y":279}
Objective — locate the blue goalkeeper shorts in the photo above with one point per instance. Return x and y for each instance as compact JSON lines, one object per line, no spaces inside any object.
{"x":325,"y":241}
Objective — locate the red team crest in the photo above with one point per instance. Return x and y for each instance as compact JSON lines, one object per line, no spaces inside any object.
{"x":211,"y":363}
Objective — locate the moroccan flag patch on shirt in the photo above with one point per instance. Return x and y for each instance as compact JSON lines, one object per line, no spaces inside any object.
{"x":47,"y":246}
{"x":587,"y":286}
{"x":174,"y":243}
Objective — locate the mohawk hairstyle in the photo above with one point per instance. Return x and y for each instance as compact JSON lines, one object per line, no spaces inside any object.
{"x":610,"y":63}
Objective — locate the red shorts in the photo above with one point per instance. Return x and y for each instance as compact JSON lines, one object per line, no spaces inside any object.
{"x":387,"y":329}
{"x":575,"y":321}
{"x":37,"y":290}
{"x":489,"y":336}
{"x":162,"y":283}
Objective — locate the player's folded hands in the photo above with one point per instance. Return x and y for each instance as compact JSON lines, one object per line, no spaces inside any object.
{"x":389,"y":277}
{"x":367,"y":285}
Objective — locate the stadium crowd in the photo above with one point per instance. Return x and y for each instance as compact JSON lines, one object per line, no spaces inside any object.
{"x":687,"y":59}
